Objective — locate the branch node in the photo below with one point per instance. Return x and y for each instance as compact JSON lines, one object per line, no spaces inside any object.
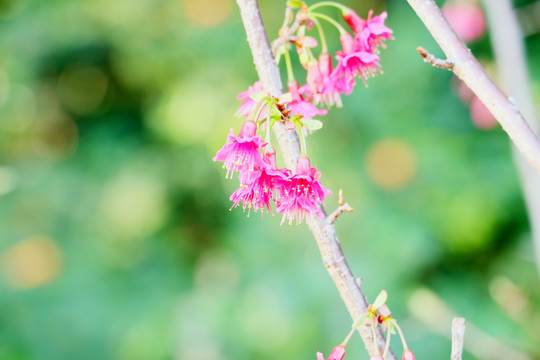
{"x":431,"y":59}
{"x":342,"y":207}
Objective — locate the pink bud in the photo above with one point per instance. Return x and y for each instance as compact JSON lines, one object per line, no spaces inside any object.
{"x":354,"y":20}
{"x":407,"y":355}
{"x":249,"y":128}
{"x":325,"y":64}
{"x":314,"y":77}
{"x":339,"y":351}
{"x":348,"y":43}
{"x":481,"y":116}
{"x":303,"y":166}
{"x":466,"y":18}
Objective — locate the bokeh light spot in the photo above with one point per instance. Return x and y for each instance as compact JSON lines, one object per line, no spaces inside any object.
{"x":217,"y":273}
{"x":7,"y":180}
{"x":391,"y":164}
{"x":134,"y":205}
{"x":207,"y":13}
{"x":17,"y":109}
{"x":82,"y":88}
{"x":54,"y":137}
{"x":33,"y":262}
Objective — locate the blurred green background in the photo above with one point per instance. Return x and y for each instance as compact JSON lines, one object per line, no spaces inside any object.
{"x":116,"y":239}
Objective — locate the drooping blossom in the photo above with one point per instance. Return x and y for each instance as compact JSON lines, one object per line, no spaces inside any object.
{"x":407,"y":355}
{"x":354,"y":62}
{"x":331,"y":90}
{"x":300,"y":105}
{"x":248,"y":104}
{"x":302,"y":193}
{"x":337,"y":354}
{"x":371,"y":33}
{"x":241,"y":153}
{"x":258,"y":188}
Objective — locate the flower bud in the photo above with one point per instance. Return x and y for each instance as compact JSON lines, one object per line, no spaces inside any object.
{"x":407,"y":355}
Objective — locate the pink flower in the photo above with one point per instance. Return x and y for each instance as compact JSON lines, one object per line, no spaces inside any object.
{"x":356,"y":23}
{"x":302,"y":193}
{"x":330,"y":91}
{"x":258,"y":188}
{"x":466,"y":18}
{"x":337,"y":354}
{"x":353,"y":62}
{"x":248,"y":104}
{"x":241,"y":153}
{"x":301,"y":106}
{"x":314,"y":78}
{"x":371,"y":33}
{"x":407,"y":355}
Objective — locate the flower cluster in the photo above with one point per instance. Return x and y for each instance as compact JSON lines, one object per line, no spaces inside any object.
{"x":296,"y":195}
{"x":377,"y":313}
{"x":263,"y":186}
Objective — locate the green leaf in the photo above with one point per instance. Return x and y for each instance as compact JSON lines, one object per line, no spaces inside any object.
{"x":381,"y":299}
{"x":295,"y":4}
{"x":285,"y":98}
{"x":312,"y":124}
{"x":258,"y":96}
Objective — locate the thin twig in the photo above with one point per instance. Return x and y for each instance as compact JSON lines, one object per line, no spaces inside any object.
{"x":323,"y":231}
{"x":458,"y":336}
{"x":342,"y":207}
{"x":507,"y":43}
{"x":431,"y":59}
{"x":467,"y":68}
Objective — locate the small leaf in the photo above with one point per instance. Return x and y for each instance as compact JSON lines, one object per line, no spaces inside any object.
{"x":285,"y":98}
{"x":258,"y":96}
{"x":295,"y":3}
{"x":312,"y":124}
{"x":381,"y":299}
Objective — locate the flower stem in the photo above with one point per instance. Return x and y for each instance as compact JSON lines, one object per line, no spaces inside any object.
{"x":353,"y":328}
{"x":257,"y":110}
{"x":340,"y":28}
{"x":324,"y":46}
{"x":388,"y":334}
{"x":373,"y":326}
{"x":405,"y":347}
{"x":341,"y":7}
{"x":288,"y":64}
{"x":303,"y":148}
{"x":268,"y":125}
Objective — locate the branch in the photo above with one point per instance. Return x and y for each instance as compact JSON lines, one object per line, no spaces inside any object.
{"x":507,"y":44}
{"x":458,"y":336}
{"x":430,"y":59}
{"x":342,"y":207}
{"x":467,"y":68}
{"x":323,"y":230}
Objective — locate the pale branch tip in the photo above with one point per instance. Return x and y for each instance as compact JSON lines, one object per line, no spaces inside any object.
{"x":458,"y":337}
{"x":340,"y":210}
{"x":341,"y":201}
{"x":431,"y":59}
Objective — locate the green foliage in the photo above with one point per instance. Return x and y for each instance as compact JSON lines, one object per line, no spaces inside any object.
{"x":115,"y":237}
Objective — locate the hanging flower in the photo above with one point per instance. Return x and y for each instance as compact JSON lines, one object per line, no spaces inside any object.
{"x":258,"y":188}
{"x":248,"y":104}
{"x":331,"y":90}
{"x":371,"y":33}
{"x":354,"y":62}
{"x":337,"y":354}
{"x":302,"y":193}
{"x":241,"y":153}
{"x":300,"y":105}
